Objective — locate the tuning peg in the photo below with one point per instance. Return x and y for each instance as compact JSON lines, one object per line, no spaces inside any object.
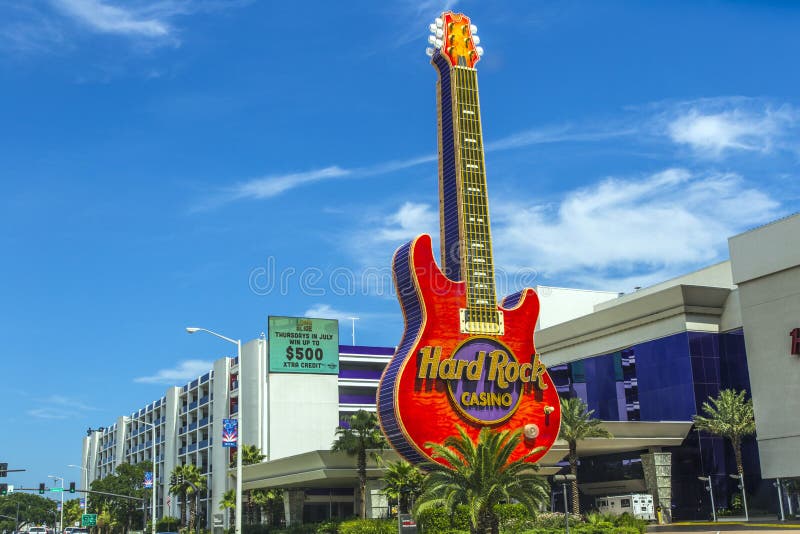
{"x":432,"y":39}
{"x":438,"y":43}
{"x":438,"y":22}
{"x":429,"y":51}
{"x":432,"y":28}
{"x":439,"y":33}
{"x":473,"y":29}
{"x":476,"y":39}
{"x":479,"y":50}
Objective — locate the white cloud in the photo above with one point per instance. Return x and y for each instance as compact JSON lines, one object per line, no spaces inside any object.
{"x":185,"y":371}
{"x":713,"y":127}
{"x":106,"y":18}
{"x":621,"y":230}
{"x":326,"y":311}
{"x":270,"y":186}
{"x":410,"y":220}
{"x":60,"y":407}
{"x":48,"y":413}
{"x":564,"y":133}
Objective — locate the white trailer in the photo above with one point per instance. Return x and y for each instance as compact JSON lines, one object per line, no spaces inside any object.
{"x":639,"y":505}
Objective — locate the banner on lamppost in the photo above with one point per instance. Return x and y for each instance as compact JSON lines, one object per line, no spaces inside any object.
{"x":230,"y":431}
{"x":83,"y":502}
{"x":148,"y":479}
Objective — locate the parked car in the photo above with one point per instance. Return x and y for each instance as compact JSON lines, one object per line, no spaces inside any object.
{"x":38,"y":530}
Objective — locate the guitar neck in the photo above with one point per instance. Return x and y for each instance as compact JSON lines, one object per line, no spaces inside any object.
{"x":465,"y":229}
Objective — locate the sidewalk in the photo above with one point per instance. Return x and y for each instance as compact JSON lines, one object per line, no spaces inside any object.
{"x":763,"y":525}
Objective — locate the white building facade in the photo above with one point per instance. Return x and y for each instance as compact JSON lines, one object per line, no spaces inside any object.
{"x":283,"y":414}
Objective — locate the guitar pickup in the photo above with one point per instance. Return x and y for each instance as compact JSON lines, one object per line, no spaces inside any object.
{"x":482,"y":322}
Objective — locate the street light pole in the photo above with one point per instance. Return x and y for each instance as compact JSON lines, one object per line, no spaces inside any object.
{"x":740,"y":478}
{"x":239,"y":417}
{"x":711,"y":492}
{"x":564,"y":479}
{"x":780,"y":497}
{"x":85,"y":485}
{"x":61,"y":521}
{"x":155,"y":471}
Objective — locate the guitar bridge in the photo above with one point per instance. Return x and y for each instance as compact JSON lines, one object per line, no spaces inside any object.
{"x":482,"y":322}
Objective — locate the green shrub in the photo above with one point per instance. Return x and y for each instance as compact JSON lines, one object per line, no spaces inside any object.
{"x":507,"y":512}
{"x":439,"y":520}
{"x":627,"y":520}
{"x":555,"y":521}
{"x":513,"y":518}
{"x":600,"y":527}
{"x":368,"y":526}
{"x":330,"y":526}
{"x":167,"y":524}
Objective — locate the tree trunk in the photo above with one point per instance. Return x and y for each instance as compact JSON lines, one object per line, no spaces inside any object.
{"x":573,"y":469}
{"x":737,"y":452}
{"x":362,"y":480}
{"x":494,"y":523}
{"x":403,"y":503}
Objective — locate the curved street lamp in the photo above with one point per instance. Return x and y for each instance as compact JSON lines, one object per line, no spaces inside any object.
{"x":85,"y":485}
{"x":238,"y":343}
{"x":61,"y":523}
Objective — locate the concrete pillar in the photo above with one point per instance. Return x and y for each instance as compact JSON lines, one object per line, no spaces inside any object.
{"x":657,"y":468}
{"x":293,"y":500}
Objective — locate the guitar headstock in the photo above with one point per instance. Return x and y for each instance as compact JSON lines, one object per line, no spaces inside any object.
{"x":455,"y":37}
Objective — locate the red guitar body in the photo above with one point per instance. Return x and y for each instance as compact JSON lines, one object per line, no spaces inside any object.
{"x":415,"y":411}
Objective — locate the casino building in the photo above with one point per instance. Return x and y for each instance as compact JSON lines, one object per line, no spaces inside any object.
{"x":644,"y":362}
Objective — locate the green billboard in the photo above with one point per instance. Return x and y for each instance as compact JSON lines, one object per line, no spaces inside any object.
{"x":303,"y":345}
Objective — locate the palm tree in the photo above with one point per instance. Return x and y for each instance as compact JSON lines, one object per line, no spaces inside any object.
{"x":479,"y":475}
{"x":403,"y":482}
{"x":360,"y":435}
{"x":228,"y":502}
{"x":267,"y":501}
{"x":188,"y":481}
{"x":578,"y":424}
{"x":731,"y":416}
{"x":251,"y":454}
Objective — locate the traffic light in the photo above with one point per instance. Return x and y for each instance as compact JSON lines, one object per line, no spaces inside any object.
{"x":172,"y":480}
{"x":3,"y":469}
{"x":41,"y":488}
{"x":3,"y":489}
{"x":72,"y":487}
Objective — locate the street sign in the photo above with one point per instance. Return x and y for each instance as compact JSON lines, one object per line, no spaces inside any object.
{"x":89,"y":520}
{"x":406,"y":524}
{"x":56,"y":489}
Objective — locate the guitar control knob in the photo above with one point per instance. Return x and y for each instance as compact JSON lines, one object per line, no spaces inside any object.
{"x":548,"y":410}
{"x":530,"y":431}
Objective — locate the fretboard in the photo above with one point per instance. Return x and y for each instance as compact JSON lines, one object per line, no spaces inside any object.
{"x":476,"y":253}
{"x":466,"y":235}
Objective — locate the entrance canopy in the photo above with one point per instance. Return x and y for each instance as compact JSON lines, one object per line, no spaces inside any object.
{"x":326,"y":469}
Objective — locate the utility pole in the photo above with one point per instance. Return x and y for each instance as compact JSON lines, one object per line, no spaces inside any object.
{"x":354,"y":319}
{"x":564,"y":479}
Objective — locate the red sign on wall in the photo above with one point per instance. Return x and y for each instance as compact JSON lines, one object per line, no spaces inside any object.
{"x":794,"y":348}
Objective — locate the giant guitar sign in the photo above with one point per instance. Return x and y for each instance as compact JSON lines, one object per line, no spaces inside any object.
{"x":463,"y":360}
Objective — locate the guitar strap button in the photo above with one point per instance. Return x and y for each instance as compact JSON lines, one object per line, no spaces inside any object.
{"x":530,"y":431}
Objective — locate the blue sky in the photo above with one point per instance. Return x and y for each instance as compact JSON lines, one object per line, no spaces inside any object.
{"x":167,"y":163}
